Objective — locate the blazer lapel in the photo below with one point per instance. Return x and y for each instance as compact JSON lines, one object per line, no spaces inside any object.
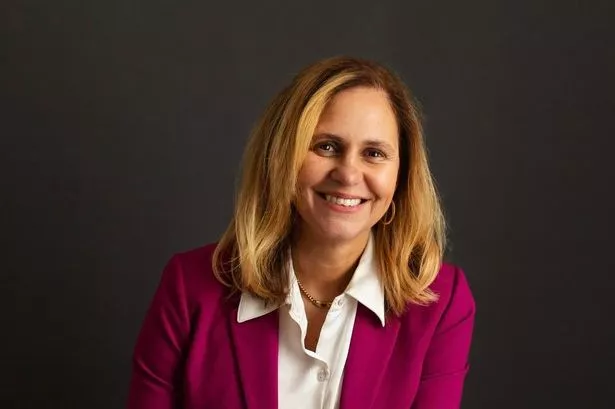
{"x":256,"y":346}
{"x":370,"y":350}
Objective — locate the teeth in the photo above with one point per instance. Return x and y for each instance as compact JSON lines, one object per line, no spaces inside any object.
{"x":342,"y":201}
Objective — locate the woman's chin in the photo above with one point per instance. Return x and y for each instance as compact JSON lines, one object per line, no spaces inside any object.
{"x":333,"y":230}
{"x":337,"y":233}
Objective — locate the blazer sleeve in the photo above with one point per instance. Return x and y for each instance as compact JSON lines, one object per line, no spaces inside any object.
{"x":446,"y":361}
{"x":158,"y":354}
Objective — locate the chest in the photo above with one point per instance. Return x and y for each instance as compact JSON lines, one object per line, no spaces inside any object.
{"x":257,"y":365}
{"x":313,"y":349}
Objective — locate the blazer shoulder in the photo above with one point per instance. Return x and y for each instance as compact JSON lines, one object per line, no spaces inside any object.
{"x":450,"y":279}
{"x":453,"y":290}
{"x":192,"y":269}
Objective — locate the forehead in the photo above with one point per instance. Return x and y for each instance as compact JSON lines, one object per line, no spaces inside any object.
{"x":359,"y":112}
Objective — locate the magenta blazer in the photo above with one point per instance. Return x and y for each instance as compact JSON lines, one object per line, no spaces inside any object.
{"x":192,"y":353}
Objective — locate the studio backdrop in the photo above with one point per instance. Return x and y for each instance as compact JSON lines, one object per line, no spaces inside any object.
{"x":123,"y":123}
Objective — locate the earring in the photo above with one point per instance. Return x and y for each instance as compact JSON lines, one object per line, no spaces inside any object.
{"x":387,"y":222}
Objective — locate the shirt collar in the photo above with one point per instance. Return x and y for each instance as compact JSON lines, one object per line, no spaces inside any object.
{"x":365,"y":287}
{"x":251,"y":307}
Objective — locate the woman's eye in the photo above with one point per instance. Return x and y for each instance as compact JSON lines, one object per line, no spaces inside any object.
{"x":374,"y":153}
{"x":326,"y":147}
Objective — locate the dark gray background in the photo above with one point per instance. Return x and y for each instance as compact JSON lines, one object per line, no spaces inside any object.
{"x":122,"y":125}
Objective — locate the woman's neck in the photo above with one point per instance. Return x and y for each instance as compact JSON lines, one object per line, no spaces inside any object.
{"x":324,"y":267}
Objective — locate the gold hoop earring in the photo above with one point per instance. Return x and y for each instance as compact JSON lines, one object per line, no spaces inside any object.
{"x":387,"y":222}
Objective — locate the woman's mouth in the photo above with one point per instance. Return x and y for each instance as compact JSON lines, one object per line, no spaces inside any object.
{"x":342,"y":201}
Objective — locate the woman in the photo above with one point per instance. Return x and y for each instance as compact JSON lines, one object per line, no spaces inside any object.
{"x":327,"y":290}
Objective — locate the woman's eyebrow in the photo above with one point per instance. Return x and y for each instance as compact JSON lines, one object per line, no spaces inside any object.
{"x":327,"y":135}
{"x":375,"y":143}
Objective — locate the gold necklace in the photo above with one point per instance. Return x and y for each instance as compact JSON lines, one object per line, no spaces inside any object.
{"x":319,"y":304}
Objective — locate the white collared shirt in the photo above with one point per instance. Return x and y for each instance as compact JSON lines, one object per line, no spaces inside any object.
{"x":313,"y":380}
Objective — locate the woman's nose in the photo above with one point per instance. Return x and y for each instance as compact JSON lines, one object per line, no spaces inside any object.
{"x":346,"y":172}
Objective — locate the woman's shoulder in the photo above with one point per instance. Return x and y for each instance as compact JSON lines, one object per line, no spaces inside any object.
{"x":191,"y":273}
{"x":455,"y":299}
{"x":451,"y":281}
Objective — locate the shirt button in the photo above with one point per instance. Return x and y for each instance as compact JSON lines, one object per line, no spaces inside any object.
{"x":323,"y":375}
{"x":339,"y":302}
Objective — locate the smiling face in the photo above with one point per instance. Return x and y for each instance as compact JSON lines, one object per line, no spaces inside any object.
{"x":349,"y":175}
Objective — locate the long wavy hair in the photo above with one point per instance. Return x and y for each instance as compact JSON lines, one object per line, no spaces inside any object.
{"x":252,"y":254}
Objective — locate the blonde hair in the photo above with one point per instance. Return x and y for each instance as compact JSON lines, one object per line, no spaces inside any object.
{"x":252,"y":254}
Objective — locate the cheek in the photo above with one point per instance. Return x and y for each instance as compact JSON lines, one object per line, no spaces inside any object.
{"x":311,"y":173}
{"x":309,"y":176}
{"x":385,"y":183}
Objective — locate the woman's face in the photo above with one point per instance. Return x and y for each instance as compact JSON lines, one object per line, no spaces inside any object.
{"x":348,"y":178}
